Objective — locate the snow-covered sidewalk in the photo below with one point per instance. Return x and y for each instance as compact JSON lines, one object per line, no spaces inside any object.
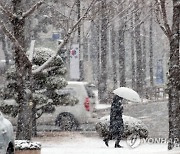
{"x":76,"y":143}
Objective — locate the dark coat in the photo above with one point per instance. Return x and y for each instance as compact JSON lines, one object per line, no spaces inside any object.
{"x":116,"y":127}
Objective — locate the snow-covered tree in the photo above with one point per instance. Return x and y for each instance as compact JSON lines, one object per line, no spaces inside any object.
{"x":47,"y":83}
{"x":172,"y":33}
{"x":45,"y":86}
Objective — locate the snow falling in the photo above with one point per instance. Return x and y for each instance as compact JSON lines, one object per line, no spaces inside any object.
{"x":63,"y":63}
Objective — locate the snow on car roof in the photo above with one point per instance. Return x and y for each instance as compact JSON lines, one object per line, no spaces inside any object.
{"x":77,"y":82}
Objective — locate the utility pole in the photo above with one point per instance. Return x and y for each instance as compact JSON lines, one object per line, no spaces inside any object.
{"x":151,"y":72}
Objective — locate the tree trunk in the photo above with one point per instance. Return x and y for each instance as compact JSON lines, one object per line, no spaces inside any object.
{"x":23,"y":71}
{"x":122,"y":57}
{"x":81,"y":63}
{"x":94,"y":45}
{"x":121,"y":39}
{"x":174,"y":71}
{"x":139,"y":84}
{"x":34,"y":121}
{"x":144,"y":60}
{"x":103,"y":76}
{"x":133,"y":56}
{"x":114,"y":55}
{"x":94,"y":50}
{"x":151,"y":72}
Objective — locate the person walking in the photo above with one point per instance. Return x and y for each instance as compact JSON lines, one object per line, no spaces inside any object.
{"x":116,"y":127}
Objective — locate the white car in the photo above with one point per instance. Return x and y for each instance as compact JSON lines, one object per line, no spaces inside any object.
{"x":6,"y":136}
{"x":69,"y":117}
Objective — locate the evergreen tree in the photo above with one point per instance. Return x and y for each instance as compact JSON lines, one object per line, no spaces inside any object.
{"x":45,"y":86}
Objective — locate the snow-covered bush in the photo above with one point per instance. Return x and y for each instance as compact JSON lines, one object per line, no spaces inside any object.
{"x":27,"y":145}
{"x":131,"y":126}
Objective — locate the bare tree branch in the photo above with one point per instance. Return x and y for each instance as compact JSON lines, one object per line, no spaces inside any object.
{"x":7,"y":12}
{"x":11,"y":36}
{"x":70,"y":13}
{"x":56,"y":9}
{"x":43,"y":66}
{"x":78,"y":22}
{"x":161,"y":26}
{"x":122,"y":12}
{"x":160,"y":12}
{"x":144,"y":19}
{"x":15,"y":41}
{"x":31,"y":10}
{"x":164,"y":17}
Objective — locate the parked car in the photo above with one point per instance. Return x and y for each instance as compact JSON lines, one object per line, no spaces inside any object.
{"x":69,"y":117}
{"x":131,"y":126}
{"x":6,"y":136}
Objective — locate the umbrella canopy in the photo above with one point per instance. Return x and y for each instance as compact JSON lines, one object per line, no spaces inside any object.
{"x":127,"y":93}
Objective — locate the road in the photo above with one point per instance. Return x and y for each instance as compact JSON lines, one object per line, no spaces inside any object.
{"x":90,"y":143}
{"x":153,"y":114}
